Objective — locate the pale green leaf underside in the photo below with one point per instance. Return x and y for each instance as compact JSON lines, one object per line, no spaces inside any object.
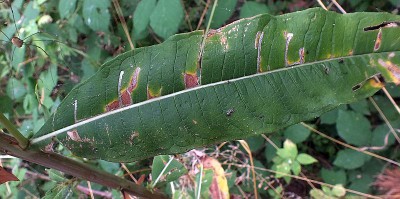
{"x":254,"y":76}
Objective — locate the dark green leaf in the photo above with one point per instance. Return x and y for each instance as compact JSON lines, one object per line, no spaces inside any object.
{"x":270,"y":150}
{"x":15,"y":89}
{"x":223,"y":12}
{"x":255,"y":143}
{"x":141,"y":17}
{"x":334,"y":176}
{"x":354,"y":128}
{"x":66,"y":7}
{"x":166,"y":17}
{"x":382,"y":137}
{"x":250,"y":81}
{"x":350,"y":159}
{"x":297,"y":133}
{"x":331,"y":116}
{"x":96,"y":14}
{"x":252,"y":8}
{"x":361,"y":107}
{"x":56,"y":175}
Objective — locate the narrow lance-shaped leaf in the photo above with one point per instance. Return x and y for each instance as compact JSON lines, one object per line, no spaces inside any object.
{"x":254,"y":76}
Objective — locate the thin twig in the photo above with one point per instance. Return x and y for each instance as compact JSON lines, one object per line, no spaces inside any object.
{"x":187,"y":18}
{"x":203,"y":14}
{"x":129,"y":173}
{"x":247,"y":148}
{"x":339,"y":6}
{"x":90,"y":190}
{"x":385,"y":119}
{"x":349,"y":146}
{"x":321,"y":4}
{"x":123,"y":23}
{"x":391,"y":100}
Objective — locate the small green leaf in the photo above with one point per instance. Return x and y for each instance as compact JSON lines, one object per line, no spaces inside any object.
{"x":166,"y":17}
{"x":30,"y":103}
{"x":361,"y":107}
{"x":48,"y":80}
{"x":296,"y":168}
{"x":305,"y":159}
{"x":60,"y":191}
{"x":386,"y":106}
{"x":392,"y":88}
{"x":141,"y":17}
{"x":338,"y":190}
{"x":290,"y":149}
{"x":96,"y":14}
{"x":326,"y":190}
{"x":252,"y":8}
{"x":255,"y":143}
{"x":379,"y":135}
{"x":282,"y":169}
{"x":223,"y":12}
{"x":56,"y":175}
{"x":317,"y":193}
{"x":331,"y":116}
{"x":270,"y":150}
{"x":354,"y":128}
{"x":15,"y":89}
{"x":66,"y":7}
{"x":166,"y":169}
{"x":350,"y":159}
{"x":297,"y":133}
{"x":362,"y":182}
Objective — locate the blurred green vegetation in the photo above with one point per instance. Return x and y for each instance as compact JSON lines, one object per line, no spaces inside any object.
{"x":66,"y":41}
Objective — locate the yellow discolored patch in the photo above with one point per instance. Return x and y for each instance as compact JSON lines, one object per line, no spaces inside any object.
{"x":151,"y":93}
{"x":392,"y":70}
{"x":219,"y":186}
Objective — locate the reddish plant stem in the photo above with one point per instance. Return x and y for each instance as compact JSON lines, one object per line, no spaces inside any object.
{"x":8,"y":145}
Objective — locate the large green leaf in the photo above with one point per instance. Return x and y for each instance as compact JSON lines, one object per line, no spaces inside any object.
{"x":253,"y":76}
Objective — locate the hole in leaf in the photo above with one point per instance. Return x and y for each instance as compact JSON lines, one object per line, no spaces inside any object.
{"x":356,"y":87}
{"x":386,"y":24}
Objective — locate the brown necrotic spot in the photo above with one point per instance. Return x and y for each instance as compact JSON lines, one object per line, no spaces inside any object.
{"x":378,"y":40}
{"x":134,"y":80}
{"x":133,"y":135}
{"x":125,"y":95}
{"x":49,"y":148}
{"x":112,"y":105}
{"x":190,"y":80}
{"x":74,"y":135}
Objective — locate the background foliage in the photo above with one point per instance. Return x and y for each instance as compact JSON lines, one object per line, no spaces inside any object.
{"x":79,"y":35}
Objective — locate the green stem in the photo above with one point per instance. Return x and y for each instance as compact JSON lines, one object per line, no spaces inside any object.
{"x":22,"y":141}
